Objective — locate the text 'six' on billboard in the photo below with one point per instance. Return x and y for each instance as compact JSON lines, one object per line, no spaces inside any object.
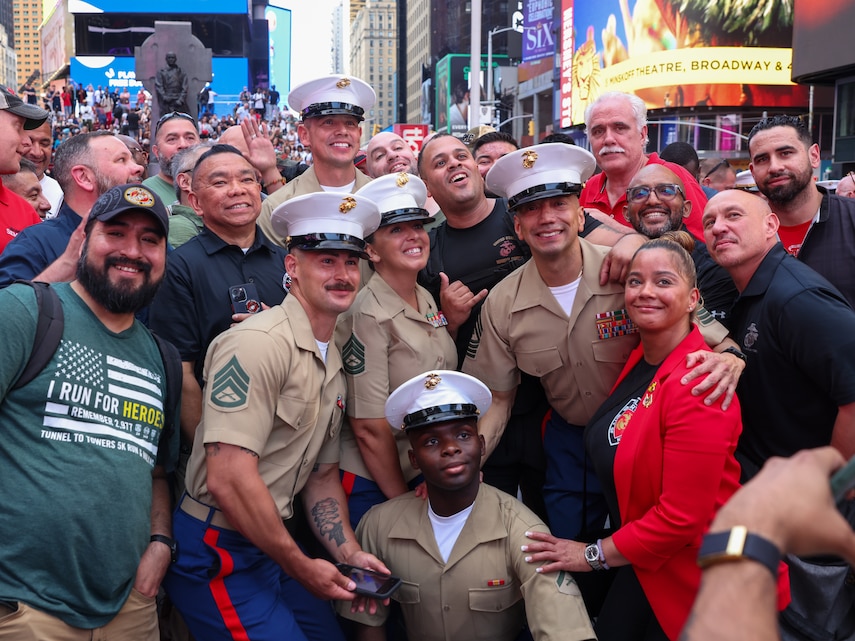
{"x":538,"y":33}
{"x":676,"y":53}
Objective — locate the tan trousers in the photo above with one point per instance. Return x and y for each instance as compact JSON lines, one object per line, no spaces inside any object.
{"x":136,"y":621}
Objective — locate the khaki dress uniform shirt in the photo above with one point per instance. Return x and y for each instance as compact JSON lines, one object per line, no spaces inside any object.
{"x":478,"y":593}
{"x":305,"y":183}
{"x":267,"y":389}
{"x":523,"y":328}
{"x":385,"y":342}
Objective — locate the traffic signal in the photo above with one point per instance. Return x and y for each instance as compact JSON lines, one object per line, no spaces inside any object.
{"x":375,"y":130}
{"x":531,"y":128}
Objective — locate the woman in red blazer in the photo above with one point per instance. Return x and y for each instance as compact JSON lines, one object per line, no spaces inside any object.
{"x":665,"y":459}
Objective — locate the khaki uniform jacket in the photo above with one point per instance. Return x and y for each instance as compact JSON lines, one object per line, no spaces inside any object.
{"x":384,"y":342}
{"x":305,"y":183}
{"x":478,"y":594}
{"x":523,"y":328}
{"x":267,"y":389}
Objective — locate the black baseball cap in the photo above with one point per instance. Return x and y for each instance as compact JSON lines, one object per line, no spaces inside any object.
{"x":33,"y":116}
{"x":130,"y":197}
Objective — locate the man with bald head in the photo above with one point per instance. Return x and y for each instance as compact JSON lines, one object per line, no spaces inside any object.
{"x":798,"y":333}
{"x":846,"y":186}
{"x":798,"y":390}
{"x":388,"y":153}
{"x":717,"y":174}
{"x":657,"y":203}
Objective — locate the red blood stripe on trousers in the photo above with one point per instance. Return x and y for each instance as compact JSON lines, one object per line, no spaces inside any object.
{"x":218,"y":588}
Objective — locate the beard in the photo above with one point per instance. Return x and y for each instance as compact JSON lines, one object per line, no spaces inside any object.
{"x":122,"y":298}
{"x":105,"y":183}
{"x":656,"y":232}
{"x":784,"y":193}
{"x":165,"y":164}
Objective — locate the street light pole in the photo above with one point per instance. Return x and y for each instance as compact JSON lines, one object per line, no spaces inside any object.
{"x":504,"y":122}
{"x":475,"y":66}
{"x":490,"y":34}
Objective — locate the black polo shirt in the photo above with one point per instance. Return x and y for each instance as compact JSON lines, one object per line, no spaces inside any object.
{"x":829,"y":246}
{"x":192,"y":305}
{"x":799,"y":335}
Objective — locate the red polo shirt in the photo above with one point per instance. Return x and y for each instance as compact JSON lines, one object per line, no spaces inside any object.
{"x":594,"y":196}
{"x":15,"y":214}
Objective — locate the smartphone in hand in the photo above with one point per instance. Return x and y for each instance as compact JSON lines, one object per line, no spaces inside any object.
{"x":370,"y":583}
{"x":244,"y":299}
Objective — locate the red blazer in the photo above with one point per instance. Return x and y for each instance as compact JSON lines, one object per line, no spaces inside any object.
{"x":674,"y":467}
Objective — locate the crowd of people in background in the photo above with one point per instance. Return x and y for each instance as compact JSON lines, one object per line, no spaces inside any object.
{"x":77,"y":109}
{"x":577,"y":369}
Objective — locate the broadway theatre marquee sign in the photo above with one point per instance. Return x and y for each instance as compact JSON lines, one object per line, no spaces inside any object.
{"x":719,"y":65}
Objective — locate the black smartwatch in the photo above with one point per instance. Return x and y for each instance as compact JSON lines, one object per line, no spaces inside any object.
{"x":162,"y":538}
{"x":740,"y":355}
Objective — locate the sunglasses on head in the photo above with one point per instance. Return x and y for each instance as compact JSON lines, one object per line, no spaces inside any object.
{"x":723,"y":163}
{"x":171,"y":115}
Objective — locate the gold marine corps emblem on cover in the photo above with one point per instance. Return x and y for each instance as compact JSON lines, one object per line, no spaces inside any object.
{"x":344,"y":82}
{"x":432,"y":381}
{"x":528,"y":158}
{"x":347,"y":203}
{"x":403,"y":179}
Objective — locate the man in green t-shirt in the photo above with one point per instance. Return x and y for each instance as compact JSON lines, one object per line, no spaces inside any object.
{"x":86,"y":531}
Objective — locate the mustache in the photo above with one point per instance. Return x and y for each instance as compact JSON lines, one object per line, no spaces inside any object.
{"x":612,"y":149}
{"x":341,"y":287}
{"x":780,"y":174}
{"x":129,"y":262}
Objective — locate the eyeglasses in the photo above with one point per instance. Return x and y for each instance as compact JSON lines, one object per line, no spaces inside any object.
{"x":665,"y":191}
{"x":723,"y":163}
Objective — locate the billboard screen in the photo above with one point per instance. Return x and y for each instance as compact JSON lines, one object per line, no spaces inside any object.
{"x":821,"y":35}
{"x":163,"y":7}
{"x":452,"y":90}
{"x":680,"y":53}
{"x":279,"y":26}
{"x":538,"y":39}
{"x":230,"y":74}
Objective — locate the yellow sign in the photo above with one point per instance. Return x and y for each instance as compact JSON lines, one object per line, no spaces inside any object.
{"x":702,"y":65}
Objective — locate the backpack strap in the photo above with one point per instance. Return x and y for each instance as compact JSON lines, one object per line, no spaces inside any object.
{"x":169,"y":437}
{"x":51,"y":322}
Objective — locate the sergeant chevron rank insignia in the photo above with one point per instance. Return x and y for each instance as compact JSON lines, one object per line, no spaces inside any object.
{"x":230,"y":386}
{"x":353,"y":356}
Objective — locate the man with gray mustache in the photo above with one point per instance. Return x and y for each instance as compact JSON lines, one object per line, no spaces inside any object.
{"x":617,"y":129}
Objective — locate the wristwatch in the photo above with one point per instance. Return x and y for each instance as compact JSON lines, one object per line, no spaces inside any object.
{"x":593,"y":556}
{"x":737,"y":544}
{"x":162,"y":538}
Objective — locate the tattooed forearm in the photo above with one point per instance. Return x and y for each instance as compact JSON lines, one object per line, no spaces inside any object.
{"x":212,"y":449}
{"x":248,"y":451}
{"x":328,"y":520}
